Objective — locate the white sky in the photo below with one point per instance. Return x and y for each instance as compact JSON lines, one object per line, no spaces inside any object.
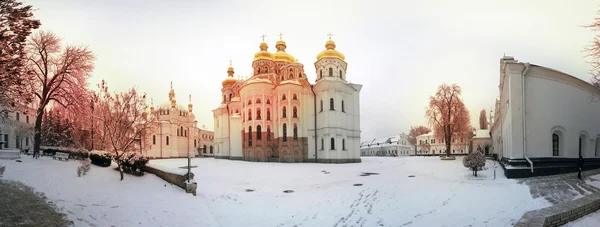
{"x":401,"y":51}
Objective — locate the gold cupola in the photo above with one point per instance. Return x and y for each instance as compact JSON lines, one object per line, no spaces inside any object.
{"x":263,"y":54}
{"x":151,"y":105}
{"x":173,"y":103}
{"x":330,"y":52}
{"x":229,"y":81}
{"x":281,"y":55}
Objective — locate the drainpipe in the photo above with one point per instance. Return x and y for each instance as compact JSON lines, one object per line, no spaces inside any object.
{"x":315,"y":110}
{"x":523,"y":115}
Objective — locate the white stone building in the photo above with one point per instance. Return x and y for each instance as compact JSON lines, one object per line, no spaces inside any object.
{"x":545,"y":120}
{"x":176,"y":133}
{"x":388,"y":146}
{"x":427,"y":144}
{"x":16,"y":128}
{"x":481,"y":138}
{"x":278,"y":115}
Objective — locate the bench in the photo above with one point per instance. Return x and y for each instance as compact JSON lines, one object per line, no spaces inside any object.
{"x":61,"y":156}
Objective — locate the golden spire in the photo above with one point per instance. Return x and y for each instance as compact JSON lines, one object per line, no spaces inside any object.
{"x":263,"y":53}
{"x":190,"y":106}
{"x":151,"y":105}
{"x":281,"y":55}
{"x":330,"y":51}
{"x":172,"y":92}
{"x":229,"y":81}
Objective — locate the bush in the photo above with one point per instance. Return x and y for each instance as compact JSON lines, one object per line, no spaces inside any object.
{"x":101,"y":158}
{"x":74,"y":153}
{"x":84,"y":167}
{"x":133,"y":161}
{"x":475,"y":161}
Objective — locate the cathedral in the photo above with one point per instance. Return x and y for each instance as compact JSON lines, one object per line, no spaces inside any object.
{"x":277,"y":115}
{"x":175,"y":133}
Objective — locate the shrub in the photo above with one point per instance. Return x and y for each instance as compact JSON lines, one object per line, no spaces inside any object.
{"x":133,"y":161}
{"x":84,"y":167}
{"x":475,"y":161}
{"x":101,"y":158}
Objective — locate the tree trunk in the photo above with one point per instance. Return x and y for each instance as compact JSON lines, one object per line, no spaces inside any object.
{"x":37,"y":138}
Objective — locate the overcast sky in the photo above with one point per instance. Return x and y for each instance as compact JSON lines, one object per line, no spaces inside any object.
{"x":401,"y":51}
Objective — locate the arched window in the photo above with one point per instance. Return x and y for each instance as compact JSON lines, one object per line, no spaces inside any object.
{"x":283,"y":97}
{"x":331,"y":104}
{"x":204,"y":149}
{"x":177,"y":132}
{"x":224,"y":98}
{"x":257,"y":101}
{"x":167,"y":140}
{"x":284,"y":132}
{"x":211,"y":149}
{"x":268,"y":101}
{"x":295,"y":113}
{"x":284,"y":112}
{"x":258,"y":114}
{"x":237,"y":110}
{"x":249,"y":136}
{"x":154,"y":139}
{"x":321,"y":105}
{"x":268,"y":114}
{"x":249,"y":102}
{"x":268,"y":132}
{"x":330,"y":71}
{"x":299,"y":75}
{"x":321,"y":74}
{"x":555,"y":141}
{"x":295,"y":132}
{"x":282,"y":78}
{"x":341,"y":76}
{"x":249,"y":114}
{"x":258,"y":71}
{"x":332,"y":144}
{"x":343,"y":110}
{"x":195,"y":144}
{"x":294,"y":97}
{"x":230,"y":95}
{"x":181,"y":130}
{"x":343,"y":144}
{"x":266,"y":70}
{"x":258,"y":133}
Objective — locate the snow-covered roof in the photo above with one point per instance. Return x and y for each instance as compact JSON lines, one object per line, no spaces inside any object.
{"x":381,"y":142}
{"x":290,"y":82}
{"x":482,"y":133}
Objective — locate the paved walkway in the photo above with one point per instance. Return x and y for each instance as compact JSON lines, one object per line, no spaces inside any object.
{"x":561,"y":188}
{"x":21,"y":206}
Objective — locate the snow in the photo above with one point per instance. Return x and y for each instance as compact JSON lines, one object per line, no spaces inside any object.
{"x":593,"y":219}
{"x":441,"y":193}
{"x":169,"y":169}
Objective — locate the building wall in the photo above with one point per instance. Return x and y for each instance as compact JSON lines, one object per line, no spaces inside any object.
{"x":437,"y":147}
{"x":9,"y":129}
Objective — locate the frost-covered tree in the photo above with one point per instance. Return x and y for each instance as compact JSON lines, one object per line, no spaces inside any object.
{"x":593,"y":52}
{"x":123,"y":120}
{"x":56,"y":75}
{"x":16,"y":23}
{"x":475,"y":161}
{"x":483,"y":122}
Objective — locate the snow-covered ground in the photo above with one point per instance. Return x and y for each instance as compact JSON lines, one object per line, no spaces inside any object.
{"x":593,"y":219}
{"x":441,"y":193}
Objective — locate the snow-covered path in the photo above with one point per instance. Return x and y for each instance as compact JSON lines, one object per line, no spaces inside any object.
{"x":442,"y":193}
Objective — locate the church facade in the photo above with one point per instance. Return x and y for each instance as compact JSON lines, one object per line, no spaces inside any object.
{"x":278,"y":115}
{"x":175,"y":133}
{"x":545,"y":120}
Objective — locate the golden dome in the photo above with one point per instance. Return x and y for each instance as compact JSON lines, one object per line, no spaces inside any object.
{"x":151,"y":109}
{"x":281,"y":55}
{"x":173,"y":101}
{"x":144,"y":114}
{"x":228,"y":82}
{"x":190,"y":105}
{"x":330,"y":52}
{"x":263,"y":53}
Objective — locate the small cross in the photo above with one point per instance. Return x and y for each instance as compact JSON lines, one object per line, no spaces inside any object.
{"x":329,"y":34}
{"x":230,"y":62}
{"x":263,"y":37}
{"x":280,"y":35}
{"x":171,"y":85}
{"x":190,"y":98}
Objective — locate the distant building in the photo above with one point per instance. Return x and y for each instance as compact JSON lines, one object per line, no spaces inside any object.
{"x":387,"y":146}
{"x":206,"y":138}
{"x":176,"y":134}
{"x":16,"y":128}
{"x":481,"y":138}
{"x":427,"y":144}
{"x":544,"y":121}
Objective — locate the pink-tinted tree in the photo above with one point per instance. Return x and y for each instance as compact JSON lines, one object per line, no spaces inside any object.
{"x":16,"y":24}
{"x":448,"y":115}
{"x":593,"y":52}
{"x":416,"y":131}
{"x":483,"y":122}
{"x":56,"y":75}
{"x":123,"y":120}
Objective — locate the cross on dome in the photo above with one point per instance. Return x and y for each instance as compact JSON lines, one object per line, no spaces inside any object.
{"x":329,"y":34}
{"x":263,"y":37}
{"x":230,"y":62}
{"x":280,"y":36}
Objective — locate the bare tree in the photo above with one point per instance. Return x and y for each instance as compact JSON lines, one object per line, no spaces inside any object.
{"x":417,"y":131}
{"x":16,"y":23}
{"x":22,"y":131}
{"x":483,"y":122}
{"x":448,"y":115}
{"x":58,"y":75}
{"x":593,"y":51}
{"x":123,"y":120}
